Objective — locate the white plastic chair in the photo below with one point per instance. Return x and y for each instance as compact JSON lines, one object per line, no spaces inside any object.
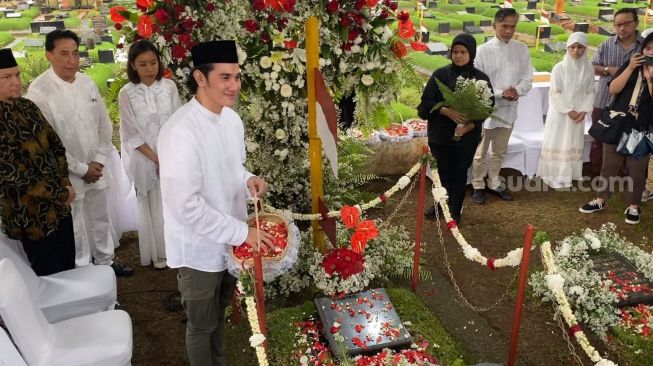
{"x":100,"y":339}
{"x":66,"y":294}
{"x":9,"y":355}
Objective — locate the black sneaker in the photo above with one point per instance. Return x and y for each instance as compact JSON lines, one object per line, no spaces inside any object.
{"x":632,"y":215}
{"x":502,"y":193}
{"x":478,"y":196}
{"x":592,"y":206}
{"x":122,"y":270}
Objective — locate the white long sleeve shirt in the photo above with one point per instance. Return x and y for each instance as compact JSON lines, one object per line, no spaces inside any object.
{"x":204,"y":186}
{"x":143,"y":110}
{"x":77,"y":113}
{"x":507,"y":64}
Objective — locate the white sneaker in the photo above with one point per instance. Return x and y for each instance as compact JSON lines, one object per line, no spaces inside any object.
{"x":647,"y":195}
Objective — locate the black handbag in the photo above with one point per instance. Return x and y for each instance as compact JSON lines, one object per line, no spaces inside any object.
{"x":613,"y":124}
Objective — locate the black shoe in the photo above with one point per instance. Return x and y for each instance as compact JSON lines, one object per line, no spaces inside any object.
{"x":503,"y":194}
{"x":429,"y":213}
{"x":122,"y":270}
{"x":592,"y":206}
{"x":479,"y":196}
{"x":632,"y":215}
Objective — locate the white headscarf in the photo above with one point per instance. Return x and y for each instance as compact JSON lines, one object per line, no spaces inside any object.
{"x":646,"y":32}
{"x":578,"y":73}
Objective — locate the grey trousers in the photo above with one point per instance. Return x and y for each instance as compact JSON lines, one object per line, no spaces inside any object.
{"x":204,"y":296}
{"x":612,"y":162}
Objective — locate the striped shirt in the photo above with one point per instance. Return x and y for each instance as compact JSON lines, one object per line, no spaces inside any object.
{"x":611,"y":54}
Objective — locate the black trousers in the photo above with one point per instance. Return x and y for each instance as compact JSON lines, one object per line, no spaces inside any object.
{"x":55,"y":252}
{"x":453,"y":162}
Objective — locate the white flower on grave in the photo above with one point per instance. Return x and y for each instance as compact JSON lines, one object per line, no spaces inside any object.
{"x":256,"y":340}
{"x":403,"y":181}
{"x":576,"y":290}
{"x":265,"y":62}
{"x":274,"y":75}
{"x":343,"y":67}
{"x":605,"y":362}
{"x":555,"y":282}
{"x":280,"y":134}
{"x":276,"y":67}
{"x":355,"y":49}
{"x":286,"y":91}
{"x":595,"y":243}
{"x":251,"y":146}
{"x":242,"y":55}
{"x":367,"y":80}
{"x":303,"y":361}
{"x":322,"y":62}
{"x":439,"y":194}
{"x":470,"y":252}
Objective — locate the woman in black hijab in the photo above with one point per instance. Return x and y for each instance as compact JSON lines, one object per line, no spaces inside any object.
{"x":454,"y":155}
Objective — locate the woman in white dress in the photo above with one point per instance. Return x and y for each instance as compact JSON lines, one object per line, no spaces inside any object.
{"x":145,"y":105}
{"x":570,"y":100}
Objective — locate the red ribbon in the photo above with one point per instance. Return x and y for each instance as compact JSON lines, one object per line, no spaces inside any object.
{"x":383,"y":198}
{"x":574,"y":329}
{"x":323,"y":216}
{"x":490,"y":264}
{"x":452,"y":224}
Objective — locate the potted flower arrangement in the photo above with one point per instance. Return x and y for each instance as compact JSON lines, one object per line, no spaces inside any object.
{"x":344,"y":270}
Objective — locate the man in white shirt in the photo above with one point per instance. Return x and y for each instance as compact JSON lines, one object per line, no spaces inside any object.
{"x":72,"y":104}
{"x":204,"y":187}
{"x":508,"y":64}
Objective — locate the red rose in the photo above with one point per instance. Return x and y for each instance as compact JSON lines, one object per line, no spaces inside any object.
{"x":118,"y":26}
{"x":384,"y":14}
{"x":199,"y":23}
{"x":167,"y":36}
{"x":258,"y":5}
{"x":178,"y":10}
{"x":345,"y":20}
{"x":333,"y":6}
{"x":359,"y":4}
{"x":178,"y":52}
{"x":161,"y":16}
{"x":393,"y":6}
{"x":188,"y":24}
{"x":116,"y":14}
{"x":184,"y":39}
{"x":120,"y":46}
{"x":403,"y":16}
{"x":210,"y":7}
{"x":281,"y":24}
{"x":145,"y":26}
{"x":251,"y":25}
{"x":289,"y":5}
{"x":347,"y":46}
{"x":371,"y":3}
{"x":265,"y":37}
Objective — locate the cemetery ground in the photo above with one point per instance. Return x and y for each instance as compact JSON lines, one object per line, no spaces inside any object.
{"x":494,"y":228}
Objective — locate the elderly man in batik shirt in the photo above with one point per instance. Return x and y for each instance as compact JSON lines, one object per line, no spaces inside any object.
{"x":35,"y":192}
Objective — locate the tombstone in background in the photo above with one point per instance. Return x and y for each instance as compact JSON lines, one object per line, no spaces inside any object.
{"x":429,"y":16}
{"x":553,"y":47}
{"x":33,"y":42}
{"x":13,"y":15}
{"x":90,"y":43}
{"x":423,"y":35}
{"x":631,"y":287}
{"x":530,"y":5}
{"x":486,"y":23}
{"x":545,"y":31}
{"x":559,"y":17}
{"x":603,"y":4}
{"x":437,"y":48}
{"x":470,"y":9}
{"x":107,"y":38}
{"x":605,"y":11}
{"x":105,"y":56}
{"x":473,"y":29}
{"x":8,"y":11}
{"x":607,"y":18}
{"x":455,"y":2}
{"x":444,"y":27}
{"x":606,"y":30}
{"x":46,"y":30}
{"x":44,"y":9}
{"x":21,"y":7}
{"x":528,"y":16}
{"x":468,"y":23}
{"x":432,"y":4}
{"x":581,"y":27}
{"x":36,"y":26}
{"x":628,"y":1}
{"x":83,"y":54}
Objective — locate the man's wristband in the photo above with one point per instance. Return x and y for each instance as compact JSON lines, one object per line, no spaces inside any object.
{"x":606,"y":71}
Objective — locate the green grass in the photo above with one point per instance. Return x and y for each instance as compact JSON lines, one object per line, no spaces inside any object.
{"x":100,"y":73}
{"x":632,"y":349}
{"x":5,"y":38}
{"x":544,"y":61}
{"x":400,"y":112}
{"x":73,"y":20}
{"x":18,"y":23}
{"x":428,"y":62}
{"x":594,"y":39}
{"x":98,"y":46}
{"x":409,"y":308}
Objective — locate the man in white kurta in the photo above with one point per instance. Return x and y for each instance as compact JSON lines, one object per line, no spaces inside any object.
{"x":204,"y":186}
{"x":508,"y":64}
{"x":72,"y":104}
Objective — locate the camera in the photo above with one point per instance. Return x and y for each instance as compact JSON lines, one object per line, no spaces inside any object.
{"x":648,"y":60}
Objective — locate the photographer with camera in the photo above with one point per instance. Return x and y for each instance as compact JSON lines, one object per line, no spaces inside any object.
{"x":637,"y":71}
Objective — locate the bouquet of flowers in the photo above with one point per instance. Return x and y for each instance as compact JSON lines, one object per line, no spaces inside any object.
{"x":471,"y":97}
{"x":343,"y":270}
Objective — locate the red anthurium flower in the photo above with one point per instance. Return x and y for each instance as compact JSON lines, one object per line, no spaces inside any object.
{"x":358,"y":242}
{"x":406,"y":30}
{"x":290,"y":44}
{"x":145,"y":26}
{"x":144,"y":4}
{"x":368,"y":229}
{"x":399,"y":49}
{"x":371,"y":3}
{"x":251,"y":25}
{"x":116,"y":17}
{"x":167,"y":73}
{"x":281,"y":5}
{"x":418,"y":46}
{"x":161,"y":16}
{"x":350,"y":216}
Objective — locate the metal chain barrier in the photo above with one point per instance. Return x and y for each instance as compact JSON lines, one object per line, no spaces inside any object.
{"x":403,"y":200}
{"x":453,"y":279}
{"x":570,"y":345}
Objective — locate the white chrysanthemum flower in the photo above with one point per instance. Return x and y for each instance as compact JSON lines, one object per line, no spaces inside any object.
{"x":274,"y":75}
{"x":555,"y":282}
{"x":605,"y":362}
{"x":286,"y":91}
{"x":403,"y":182}
{"x":355,"y":49}
{"x":280,"y":134}
{"x":251,"y":146}
{"x":367,"y":80}
{"x":265,"y":62}
{"x":595,"y":243}
{"x":256,"y":340}
{"x":276,"y":67}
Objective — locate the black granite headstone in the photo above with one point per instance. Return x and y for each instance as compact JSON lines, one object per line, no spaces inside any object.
{"x":429,"y":16}
{"x":529,"y":16}
{"x":432,"y":4}
{"x":606,"y":31}
{"x":530,"y":5}
{"x":485,"y":23}
{"x":105,"y":56}
{"x":107,"y":38}
{"x":606,"y":11}
{"x":472,"y":29}
{"x":558,"y":17}
{"x":581,"y":27}
{"x":470,"y":9}
{"x":35,"y":27}
{"x":628,"y":1}
{"x":444,"y":28}
{"x":83,"y":54}
{"x":423,"y":36}
{"x":607,"y":18}
{"x":468,"y":23}
{"x":455,"y":2}
{"x":437,"y":48}
{"x":367,"y":321}
{"x":631,"y":287}
{"x":545,"y":31}
{"x":553,"y":47}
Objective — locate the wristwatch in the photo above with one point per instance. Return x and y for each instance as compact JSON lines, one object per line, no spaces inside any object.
{"x":606,"y":71}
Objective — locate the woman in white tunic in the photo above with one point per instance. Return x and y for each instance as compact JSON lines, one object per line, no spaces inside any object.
{"x":570,"y":99}
{"x":145,"y":105}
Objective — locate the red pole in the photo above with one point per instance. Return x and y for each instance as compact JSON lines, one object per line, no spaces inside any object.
{"x":418,"y":230}
{"x":523,"y":275}
{"x":259,"y":294}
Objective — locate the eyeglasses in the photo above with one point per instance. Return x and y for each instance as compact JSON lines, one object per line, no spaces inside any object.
{"x":624,"y":24}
